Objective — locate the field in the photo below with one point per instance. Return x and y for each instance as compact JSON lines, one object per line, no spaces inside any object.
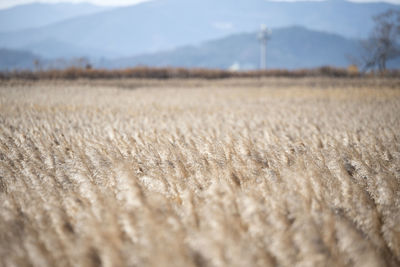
{"x":234,"y":172}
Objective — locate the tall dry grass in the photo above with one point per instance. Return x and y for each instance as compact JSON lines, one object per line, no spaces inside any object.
{"x":209,"y":175}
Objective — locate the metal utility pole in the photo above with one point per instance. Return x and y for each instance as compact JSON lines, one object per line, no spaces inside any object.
{"x":263,"y":37}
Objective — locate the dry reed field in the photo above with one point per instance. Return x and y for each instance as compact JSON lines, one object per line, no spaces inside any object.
{"x":237,"y":172}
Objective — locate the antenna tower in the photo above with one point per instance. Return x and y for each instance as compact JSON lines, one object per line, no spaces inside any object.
{"x":263,"y":37}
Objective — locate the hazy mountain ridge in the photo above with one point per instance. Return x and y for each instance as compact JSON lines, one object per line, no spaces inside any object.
{"x":16,"y":59}
{"x":54,"y":49}
{"x":37,"y":15}
{"x":159,"y":25}
{"x":290,"y":47}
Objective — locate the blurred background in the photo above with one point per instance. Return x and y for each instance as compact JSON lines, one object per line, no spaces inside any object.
{"x":221,"y":34}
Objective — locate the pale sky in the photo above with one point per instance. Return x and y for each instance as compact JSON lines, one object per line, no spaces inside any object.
{"x":10,"y":3}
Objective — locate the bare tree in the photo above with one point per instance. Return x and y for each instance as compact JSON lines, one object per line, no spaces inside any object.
{"x":37,"y":64}
{"x":383,"y":43}
{"x":82,"y":63}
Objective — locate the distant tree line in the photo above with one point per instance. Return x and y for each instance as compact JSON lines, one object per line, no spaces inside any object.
{"x":142,"y":72}
{"x":80,"y":62}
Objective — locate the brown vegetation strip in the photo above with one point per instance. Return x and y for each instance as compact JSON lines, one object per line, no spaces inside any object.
{"x":185,"y":73}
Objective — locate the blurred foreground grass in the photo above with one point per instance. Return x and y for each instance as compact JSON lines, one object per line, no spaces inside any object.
{"x":236,"y":172}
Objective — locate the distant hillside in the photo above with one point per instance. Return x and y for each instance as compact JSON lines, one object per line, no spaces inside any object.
{"x":165,"y":24}
{"x":291,"y":47}
{"x":53,"y":49}
{"x":13,"y":59}
{"x":39,"y":14}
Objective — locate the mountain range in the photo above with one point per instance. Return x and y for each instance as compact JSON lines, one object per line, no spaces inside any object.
{"x":289,"y":47}
{"x":178,"y":32}
{"x":16,"y":59}
{"x":39,"y":14}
